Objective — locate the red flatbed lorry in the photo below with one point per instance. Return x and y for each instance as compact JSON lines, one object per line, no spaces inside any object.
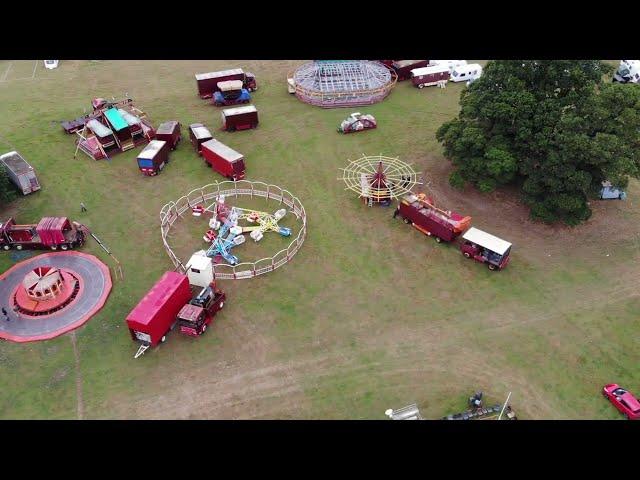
{"x":50,"y":232}
{"x":224,"y":160}
{"x":422,"y":214}
{"x":208,"y":82}
{"x":156,"y":314}
{"x":239,"y":118}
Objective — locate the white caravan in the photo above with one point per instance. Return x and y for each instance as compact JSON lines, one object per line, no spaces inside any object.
{"x":451,"y":64}
{"x":465,"y":73}
{"x":628,"y":72}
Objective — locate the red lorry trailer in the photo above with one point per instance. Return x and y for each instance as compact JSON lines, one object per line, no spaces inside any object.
{"x":156,"y":314}
{"x":403,"y":67}
{"x":428,"y":76}
{"x":198,"y":134}
{"x":208,"y":82}
{"x":224,"y":160}
{"x":50,"y":232}
{"x":486,"y":248}
{"x":169,"y":132}
{"x":154,"y":157}
{"x":194,"y":317}
{"x":239,"y":118}
{"x":421,"y":213}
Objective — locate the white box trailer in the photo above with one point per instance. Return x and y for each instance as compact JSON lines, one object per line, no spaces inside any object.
{"x":464,"y":73}
{"x":20,"y":172}
{"x":200,"y":269}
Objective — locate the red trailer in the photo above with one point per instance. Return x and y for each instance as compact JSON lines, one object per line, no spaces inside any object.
{"x":156,"y":314}
{"x":198,"y":134}
{"x":224,"y":160}
{"x":403,"y":67}
{"x":421,"y":213}
{"x":239,"y":118}
{"x":208,"y":82}
{"x":428,"y":76}
{"x":170,"y":133}
{"x":50,"y":232}
{"x":154,"y":157}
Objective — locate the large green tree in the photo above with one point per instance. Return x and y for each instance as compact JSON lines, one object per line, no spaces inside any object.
{"x":553,"y":127}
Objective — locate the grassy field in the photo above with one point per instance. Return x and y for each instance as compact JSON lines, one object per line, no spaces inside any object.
{"x":369,"y":315}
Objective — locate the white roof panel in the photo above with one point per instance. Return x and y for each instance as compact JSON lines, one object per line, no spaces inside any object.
{"x":223,"y":73}
{"x":486,"y":240}
{"x":199,"y":262}
{"x":417,"y":72}
{"x":201,"y":132}
{"x":221,"y":149}
{"x":152,"y":149}
{"x":238,"y":110}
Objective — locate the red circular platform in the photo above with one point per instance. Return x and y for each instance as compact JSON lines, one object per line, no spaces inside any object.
{"x":91,"y":282}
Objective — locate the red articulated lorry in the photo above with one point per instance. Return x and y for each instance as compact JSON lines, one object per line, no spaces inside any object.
{"x":239,"y":118}
{"x":156,"y":314}
{"x":169,"y":132}
{"x":224,"y":160}
{"x":154,"y":157}
{"x":421,"y":213}
{"x":170,"y":303}
{"x":198,"y":134}
{"x":403,"y":67}
{"x":208,"y":82}
{"x":50,"y":232}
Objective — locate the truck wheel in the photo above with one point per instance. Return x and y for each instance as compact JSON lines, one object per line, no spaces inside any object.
{"x":65,"y":247}
{"x":421,"y":85}
{"x":221,"y":305}
{"x":18,"y":247}
{"x":438,"y":240}
{"x":467,"y":255}
{"x":163,"y":339}
{"x":54,"y":247}
{"x":406,"y":220}
{"x":6,"y":247}
{"x":492,"y":267}
{"x":204,"y":329}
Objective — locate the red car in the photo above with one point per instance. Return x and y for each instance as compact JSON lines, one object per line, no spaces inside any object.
{"x":623,"y":401}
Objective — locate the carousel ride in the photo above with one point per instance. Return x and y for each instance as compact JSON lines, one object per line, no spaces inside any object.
{"x":378,"y":179}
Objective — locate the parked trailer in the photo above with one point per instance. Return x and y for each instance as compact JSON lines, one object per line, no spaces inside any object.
{"x":50,"y":232}
{"x":208,"y":82}
{"x":486,"y":248}
{"x":154,"y":157}
{"x":20,"y":172}
{"x":403,"y":67}
{"x":465,"y":73}
{"x":230,"y":93}
{"x":224,"y":160}
{"x":239,"y":118}
{"x":169,"y":132}
{"x":195,"y":316}
{"x":156,"y":314}
{"x":451,"y":64}
{"x":423,"y":215}
{"x":429,"y":76}
{"x":198,"y":134}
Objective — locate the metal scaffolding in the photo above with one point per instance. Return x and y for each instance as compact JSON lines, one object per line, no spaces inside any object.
{"x":347,"y":83}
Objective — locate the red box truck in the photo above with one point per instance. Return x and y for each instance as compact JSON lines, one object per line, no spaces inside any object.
{"x":170,"y":133}
{"x":154,"y":157}
{"x":156,"y":314}
{"x":486,"y":248}
{"x":198,"y":134}
{"x":421,"y":213}
{"x":428,"y":76}
{"x":224,"y":160}
{"x":239,"y":118}
{"x":208,"y":82}
{"x":50,"y":232}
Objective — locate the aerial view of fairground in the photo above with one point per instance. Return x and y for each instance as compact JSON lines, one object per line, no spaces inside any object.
{"x":320,"y":239}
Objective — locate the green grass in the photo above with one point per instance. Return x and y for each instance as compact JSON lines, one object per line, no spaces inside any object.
{"x":369,"y":314}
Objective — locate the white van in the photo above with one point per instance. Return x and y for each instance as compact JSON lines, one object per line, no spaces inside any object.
{"x":451,"y":64}
{"x":628,"y":72}
{"x":465,"y":73}
{"x":51,"y":64}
